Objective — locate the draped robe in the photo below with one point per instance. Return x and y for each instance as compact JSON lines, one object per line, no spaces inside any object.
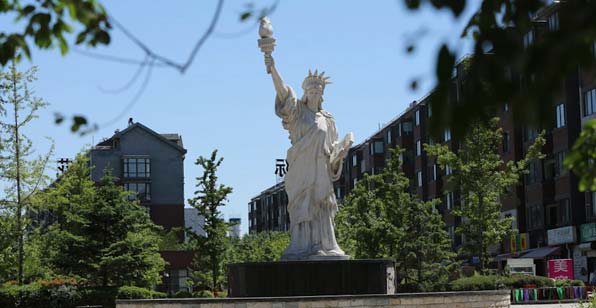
{"x":309,"y":181}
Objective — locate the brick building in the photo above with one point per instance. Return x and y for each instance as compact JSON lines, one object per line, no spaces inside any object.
{"x":554,"y":219}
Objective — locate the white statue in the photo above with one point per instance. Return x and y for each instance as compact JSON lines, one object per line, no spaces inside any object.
{"x":315,"y":161}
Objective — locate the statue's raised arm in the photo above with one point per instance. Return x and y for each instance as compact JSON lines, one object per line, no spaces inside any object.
{"x":267,"y":44}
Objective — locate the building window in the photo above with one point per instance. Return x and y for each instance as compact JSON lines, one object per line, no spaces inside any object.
{"x":564,"y":211}
{"x":589,"y":104}
{"x":553,"y":22}
{"x":407,"y":128}
{"x":451,"y":233}
{"x":137,"y":168}
{"x":378,"y":147}
{"x":429,"y":110}
{"x":142,"y":191}
{"x":448,"y":170}
{"x":506,"y":105}
{"x":560,"y":115}
{"x":593,"y":207}
{"x":559,"y":168}
{"x":354,"y":182}
{"x":418,"y":148}
{"x":419,"y":178}
{"x":530,"y":133}
{"x":354,"y":160}
{"x":434,"y":172}
{"x":447,"y":134}
{"x":535,"y":216}
{"x":449,"y":200}
{"x":417,"y":117}
{"x":528,"y":38}
{"x":362,"y":166}
{"x":338,"y":192}
{"x":533,"y":174}
{"x":506,"y":142}
{"x":389,"y":139}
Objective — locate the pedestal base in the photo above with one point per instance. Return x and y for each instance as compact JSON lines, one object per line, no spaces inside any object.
{"x":310,"y":278}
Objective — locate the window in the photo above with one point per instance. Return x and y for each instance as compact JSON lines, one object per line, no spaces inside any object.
{"x":533,"y":174}
{"x":419,"y":178}
{"x":530,"y":133}
{"x":535,"y":216}
{"x":528,"y":38}
{"x":451,"y":233}
{"x":506,"y":107}
{"x":593,"y":208}
{"x":553,"y":22}
{"x":389,"y":141}
{"x":449,"y":200}
{"x":551,"y":215}
{"x":354,"y":160}
{"x":417,"y":117}
{"x":378,"y":147}
{"x":448,"y":170}
{"x":560,"y":115}
{"x":362,"y":166}
{"x":564,"y":211}
{"x":435,"y":172}
{"x":506,"y":142}
{"x":429,"y":110}
{"x":407,"y":128}
{"x":559,"y":168}
{"x":142,"y":191}
{"x":354,"y":182}
{"x":399,"y":129}
{"x":137,"y":168}
{"x":338,"y":192}
{"x":589,"y":103}
{"x":447,"y":134}
{"x":418,"y":148}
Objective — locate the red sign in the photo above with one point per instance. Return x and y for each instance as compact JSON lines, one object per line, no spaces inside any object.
{"x":560,"y":269}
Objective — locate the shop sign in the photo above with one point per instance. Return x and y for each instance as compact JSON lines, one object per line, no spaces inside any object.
{"x":587,"y":232}
{"x":561,"y":236}
{"x":560,"y":269}
{"x":518,"y":242}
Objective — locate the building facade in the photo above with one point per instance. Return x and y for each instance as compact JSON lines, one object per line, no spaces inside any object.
{"x":150,"y":165}
{"x":553,"y":219}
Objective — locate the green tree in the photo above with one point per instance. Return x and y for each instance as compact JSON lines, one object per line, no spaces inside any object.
{"x":482,"y":178}
{"x":258,"y":247}
{"x":582,"y":157}
{"x":207,"y":267}
{"x":98,"y":234}
{"x":21,"y":173}
{"x":381,"y":218}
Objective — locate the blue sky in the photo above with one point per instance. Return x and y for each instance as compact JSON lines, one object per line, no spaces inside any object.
{"x":225,"y":100}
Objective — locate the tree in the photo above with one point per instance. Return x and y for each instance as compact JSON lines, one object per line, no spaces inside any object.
{"x":98,"y":234}
{"x":207,"y":268}
{"x":258,"y":247}
{"x":382,"y":219}
{"x":21,"y":173}
{"x":481,"y":178}
{"x":582,"y":157}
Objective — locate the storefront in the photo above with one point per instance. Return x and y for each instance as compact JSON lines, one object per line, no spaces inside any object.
{"x":584,"y":254}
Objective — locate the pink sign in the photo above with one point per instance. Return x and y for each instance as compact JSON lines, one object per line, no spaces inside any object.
{"x":560,"y":269}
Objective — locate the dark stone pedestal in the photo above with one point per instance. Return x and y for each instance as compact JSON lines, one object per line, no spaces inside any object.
{"x":309,"y":278}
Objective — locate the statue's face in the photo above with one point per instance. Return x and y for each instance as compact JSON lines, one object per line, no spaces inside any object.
{"x":314,"y":97}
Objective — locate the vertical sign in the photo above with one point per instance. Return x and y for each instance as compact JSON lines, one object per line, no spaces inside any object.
{"x":281,"y":168}
{"x":560,"y":269}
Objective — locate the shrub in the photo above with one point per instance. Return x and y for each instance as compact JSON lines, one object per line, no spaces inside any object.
{"x":182,"y":294}
{"x":202,"y":293}
{"x":104,"y":296}
{"x":479,"y":282}
{"x":130,"y":292}
{"x":519,"y":281}
{"x":37,"y":295}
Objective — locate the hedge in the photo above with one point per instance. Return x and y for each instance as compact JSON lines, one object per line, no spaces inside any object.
{"x":492,"y":282}
{"x":36,"y":295}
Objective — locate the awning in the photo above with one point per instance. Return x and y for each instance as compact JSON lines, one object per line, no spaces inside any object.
{"x":506,"y":256}
{"x":541,"y":253}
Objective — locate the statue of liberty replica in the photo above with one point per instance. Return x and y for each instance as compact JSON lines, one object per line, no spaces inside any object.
{"x":315,"y":159}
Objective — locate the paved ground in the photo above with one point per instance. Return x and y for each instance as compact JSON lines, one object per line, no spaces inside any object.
{"x":547,"y":306}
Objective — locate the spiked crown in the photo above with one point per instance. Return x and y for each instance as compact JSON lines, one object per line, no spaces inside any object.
{"x":315,"y":79}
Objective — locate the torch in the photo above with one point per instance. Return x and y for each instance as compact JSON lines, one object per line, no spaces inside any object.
{"x":267,"y":41}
